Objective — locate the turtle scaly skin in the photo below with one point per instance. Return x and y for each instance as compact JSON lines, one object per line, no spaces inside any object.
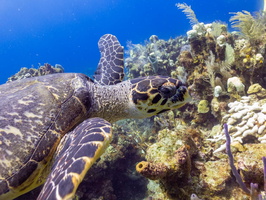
{"x":54,"y":127}
{"x":37,"y":113}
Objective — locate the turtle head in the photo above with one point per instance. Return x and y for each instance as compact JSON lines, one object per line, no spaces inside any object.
{"x":156,"y":94}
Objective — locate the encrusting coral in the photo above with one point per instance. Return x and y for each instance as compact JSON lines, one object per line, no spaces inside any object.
{"x":203,"y":106}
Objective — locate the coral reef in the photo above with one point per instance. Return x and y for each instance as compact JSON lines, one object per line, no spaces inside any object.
{"x":168,"y":162}
{"x":32,"y":72}
{"x":212,"y":180}
{"x":156,"y":57}
{"x":226,"y":73}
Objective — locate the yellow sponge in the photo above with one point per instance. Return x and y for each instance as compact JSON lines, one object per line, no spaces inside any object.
{"x":153,"y":171}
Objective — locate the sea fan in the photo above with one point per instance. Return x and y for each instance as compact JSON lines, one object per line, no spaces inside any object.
{"x":251,"y":26}
{"x":188,"y":12}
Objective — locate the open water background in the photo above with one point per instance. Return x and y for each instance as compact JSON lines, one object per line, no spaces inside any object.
{"x":66,"y":32}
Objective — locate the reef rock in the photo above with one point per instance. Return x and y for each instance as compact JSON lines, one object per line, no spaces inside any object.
{"x":32,"y":72}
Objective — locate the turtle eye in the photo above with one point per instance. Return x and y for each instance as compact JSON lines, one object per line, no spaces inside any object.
{"x":167,"y":90}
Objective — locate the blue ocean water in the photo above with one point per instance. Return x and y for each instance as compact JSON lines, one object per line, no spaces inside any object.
{"x":66,"y":32}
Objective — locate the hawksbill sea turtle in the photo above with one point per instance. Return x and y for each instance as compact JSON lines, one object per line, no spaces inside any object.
{"x":54,"y":127}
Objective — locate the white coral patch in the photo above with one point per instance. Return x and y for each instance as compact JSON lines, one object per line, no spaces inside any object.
{"x":246,"y":117}
{"x":235,"y":82}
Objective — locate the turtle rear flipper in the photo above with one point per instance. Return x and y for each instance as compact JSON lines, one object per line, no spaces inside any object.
{"x":110,"y":70}
{"x":79,"y":150}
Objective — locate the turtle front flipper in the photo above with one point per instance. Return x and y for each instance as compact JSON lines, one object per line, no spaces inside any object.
{"x":110,"y":70}
{"x":75,"y":155}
